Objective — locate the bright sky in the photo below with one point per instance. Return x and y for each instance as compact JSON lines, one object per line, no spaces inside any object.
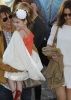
{"x":6,"y":2}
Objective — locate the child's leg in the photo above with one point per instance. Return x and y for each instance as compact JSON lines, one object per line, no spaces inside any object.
{"x":19,"y":90}
{"x":19,"y":85}
{"x":12,"y":86}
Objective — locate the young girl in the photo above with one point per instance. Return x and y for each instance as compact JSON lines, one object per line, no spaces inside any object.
{"x":19,"y":55}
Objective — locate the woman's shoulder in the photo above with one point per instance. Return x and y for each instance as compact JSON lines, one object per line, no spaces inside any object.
{"x":54,"y":27}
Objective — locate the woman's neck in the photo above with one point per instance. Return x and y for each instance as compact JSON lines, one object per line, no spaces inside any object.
{"x":68,"y":24}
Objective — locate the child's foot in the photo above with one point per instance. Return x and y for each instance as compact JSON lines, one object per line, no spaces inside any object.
{"x":18,"y":95}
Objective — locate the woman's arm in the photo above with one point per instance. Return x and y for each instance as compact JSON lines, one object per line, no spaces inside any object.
{"x":52,"y":35}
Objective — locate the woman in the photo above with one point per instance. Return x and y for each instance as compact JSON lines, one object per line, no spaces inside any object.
{"x":63,"y":43}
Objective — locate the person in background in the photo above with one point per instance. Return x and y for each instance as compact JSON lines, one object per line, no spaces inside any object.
{"x":37,"y":10}
{"x":6,"y":30}
{"x":63,"y":43}
{"x":39,"y":29}
{"x":15,"y":2}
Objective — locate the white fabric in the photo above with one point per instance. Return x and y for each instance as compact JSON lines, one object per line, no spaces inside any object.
{"x":8,"y":36}
{"x":67,"y":75}
{"x":17,"y":56}
{"x":63,"y":42}
{"x":16,"y":76}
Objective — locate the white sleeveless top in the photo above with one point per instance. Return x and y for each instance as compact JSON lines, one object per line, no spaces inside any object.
{"x":63,"y":42}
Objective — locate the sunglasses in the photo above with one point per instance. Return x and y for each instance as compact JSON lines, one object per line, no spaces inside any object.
{"x":65,"y":15}
{"x":6,"y":18}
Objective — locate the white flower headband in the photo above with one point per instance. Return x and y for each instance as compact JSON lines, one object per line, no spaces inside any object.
{"x":21,"y":14}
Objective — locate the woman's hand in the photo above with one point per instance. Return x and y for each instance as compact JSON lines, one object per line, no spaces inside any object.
{"x":54,"y":57}
{"x":34,"y":8}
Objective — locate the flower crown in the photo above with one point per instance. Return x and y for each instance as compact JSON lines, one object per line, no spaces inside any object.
{"x":21,"y":14}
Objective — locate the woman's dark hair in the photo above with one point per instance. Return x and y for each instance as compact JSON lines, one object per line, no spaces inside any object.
{"x":65,"y":5}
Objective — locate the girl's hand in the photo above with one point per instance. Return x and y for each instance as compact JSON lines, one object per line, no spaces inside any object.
{"x":54,"y":57}
{"x":34,"y":8}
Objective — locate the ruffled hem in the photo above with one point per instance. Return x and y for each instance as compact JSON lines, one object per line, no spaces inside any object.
{"x":19,"y":76}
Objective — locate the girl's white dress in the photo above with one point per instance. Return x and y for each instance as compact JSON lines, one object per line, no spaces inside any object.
{"x":17,"y":56}
{"x":64,"y":43}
